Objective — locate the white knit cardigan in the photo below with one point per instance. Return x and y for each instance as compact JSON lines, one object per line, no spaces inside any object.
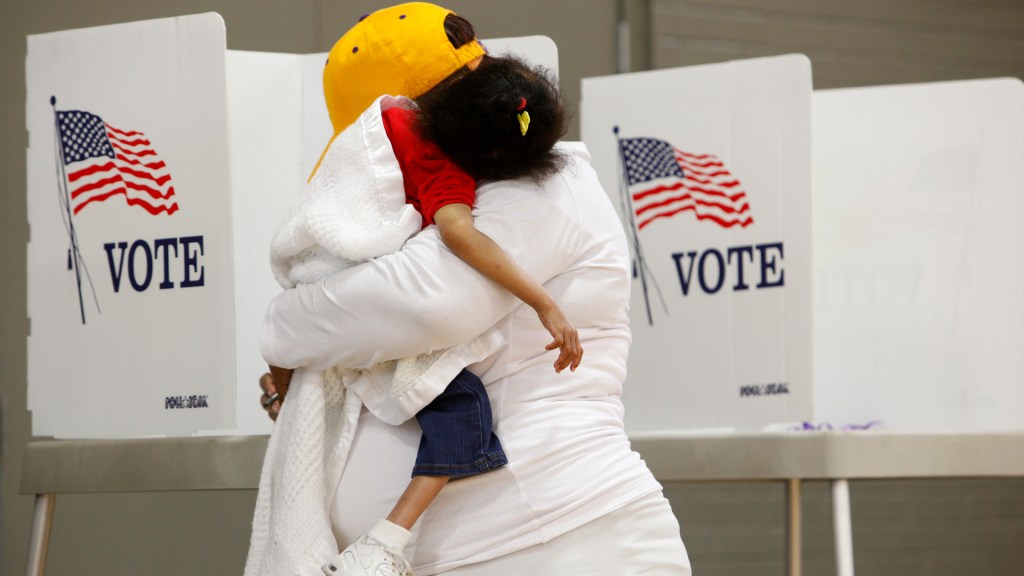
{"x":352,"y":210}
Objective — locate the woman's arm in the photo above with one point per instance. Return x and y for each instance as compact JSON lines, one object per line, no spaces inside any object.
{"x":423,"y":297}
{"x":455,"y":224}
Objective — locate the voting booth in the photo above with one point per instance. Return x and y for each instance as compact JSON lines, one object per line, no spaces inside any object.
{"x":919,"y":256}
{"x":710,"y":167}
{"x":131,"y":268}
{"x":886,"y":292}
{"x":154,"y":188}
{"x":888,"y":295}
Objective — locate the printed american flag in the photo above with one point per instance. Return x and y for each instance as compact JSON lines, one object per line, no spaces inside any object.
{"x":103,"y":162}
{"x":664,"y":181}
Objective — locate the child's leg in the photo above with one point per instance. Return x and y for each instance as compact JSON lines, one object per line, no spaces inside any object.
{"x":414,"y":501}
{"x":458,"y":440}
{"x":458,"y":434}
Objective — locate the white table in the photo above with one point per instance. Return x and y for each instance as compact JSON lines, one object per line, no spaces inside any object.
{"x":838,"y":457}
{"x":234,"y":462}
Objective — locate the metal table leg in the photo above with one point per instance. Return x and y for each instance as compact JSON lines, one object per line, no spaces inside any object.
{"x":843,"y":529}
{"x":794,"y":528}
{"x":42,"y":521}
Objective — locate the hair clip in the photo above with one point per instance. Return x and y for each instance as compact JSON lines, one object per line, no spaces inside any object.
{"x":524,"y":121}
{"x":522,"y":104}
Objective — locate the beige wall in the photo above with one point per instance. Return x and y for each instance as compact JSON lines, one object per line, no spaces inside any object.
{"x":849,"y":42}
{"x":921,"y":527}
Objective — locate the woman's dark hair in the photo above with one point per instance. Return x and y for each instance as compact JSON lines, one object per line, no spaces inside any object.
{"x":473,"y":117}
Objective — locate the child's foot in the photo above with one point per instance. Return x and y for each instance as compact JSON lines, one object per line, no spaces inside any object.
{"x":378,"y":553}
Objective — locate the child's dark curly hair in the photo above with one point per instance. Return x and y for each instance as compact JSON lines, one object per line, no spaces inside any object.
{"x":474,"y":118}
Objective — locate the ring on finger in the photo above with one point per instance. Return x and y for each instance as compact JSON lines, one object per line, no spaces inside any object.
{"x":270,"y":400}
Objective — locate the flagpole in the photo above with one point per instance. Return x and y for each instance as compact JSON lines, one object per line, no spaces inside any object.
{"x":73,"y":255}
{"x":628,"y":209}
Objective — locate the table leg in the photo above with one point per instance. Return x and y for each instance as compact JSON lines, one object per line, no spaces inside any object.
{"x":843,"y":529}
{"x":794,"y":529}
{"x":39,"y":542}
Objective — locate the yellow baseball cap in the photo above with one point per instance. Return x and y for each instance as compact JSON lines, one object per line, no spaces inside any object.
{"x":402,"y":50}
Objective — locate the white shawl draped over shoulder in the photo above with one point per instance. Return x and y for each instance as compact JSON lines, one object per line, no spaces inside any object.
{"x":352,"y":210}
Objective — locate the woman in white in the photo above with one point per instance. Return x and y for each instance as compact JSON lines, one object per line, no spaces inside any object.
{"x":574,"y":498}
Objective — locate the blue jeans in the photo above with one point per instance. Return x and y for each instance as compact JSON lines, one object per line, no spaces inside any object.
{"x":458,"y":437}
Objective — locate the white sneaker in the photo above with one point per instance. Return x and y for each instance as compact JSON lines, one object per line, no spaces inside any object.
{"x":367,"y":557}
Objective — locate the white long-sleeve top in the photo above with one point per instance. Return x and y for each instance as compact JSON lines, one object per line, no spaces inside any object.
{"x":569,"y":458}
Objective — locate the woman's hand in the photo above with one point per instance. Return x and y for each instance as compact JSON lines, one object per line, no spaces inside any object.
{"x":270,"y":400}
{"x":564,"y":337}
{"x":275,"y":386}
